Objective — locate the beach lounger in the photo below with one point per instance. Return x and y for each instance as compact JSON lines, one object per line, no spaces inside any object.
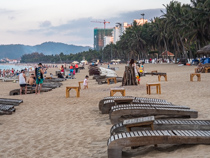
{"x":148,"y":137}
{"x":106,"y":104}
{"x":118,"y":113}
{"x":163,"y":125}
{"x":6,"y":109}
{"x":8,"y":101}
{"x":105,"y":109}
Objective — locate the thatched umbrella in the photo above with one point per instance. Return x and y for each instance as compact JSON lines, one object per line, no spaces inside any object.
{"x":168,"y":53}
{"x":204,"y":50}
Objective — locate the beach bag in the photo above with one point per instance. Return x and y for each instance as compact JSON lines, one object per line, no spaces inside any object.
{"x":74,"y":72}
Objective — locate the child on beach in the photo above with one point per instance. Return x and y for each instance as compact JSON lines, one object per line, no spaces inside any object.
{"x":85,"y":83}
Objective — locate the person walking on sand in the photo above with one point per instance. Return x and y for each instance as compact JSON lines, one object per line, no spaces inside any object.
{"x":85,"y":83}
{"x":39,"y":78}
{"x":22,"y":82}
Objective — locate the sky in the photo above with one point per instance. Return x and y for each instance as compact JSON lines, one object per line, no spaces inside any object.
{"x":32,"y":22}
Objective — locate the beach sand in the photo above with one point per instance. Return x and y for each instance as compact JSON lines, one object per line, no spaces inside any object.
{"x":52,"y":126}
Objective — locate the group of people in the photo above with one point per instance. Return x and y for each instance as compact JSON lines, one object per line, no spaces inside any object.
{"x":73,"y":69}
{"x":9,"y":73}
{"x":35,"y":79}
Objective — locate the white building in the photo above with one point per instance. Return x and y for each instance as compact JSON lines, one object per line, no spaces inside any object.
{"x":119,"y":29}
{"x":108,"y":40}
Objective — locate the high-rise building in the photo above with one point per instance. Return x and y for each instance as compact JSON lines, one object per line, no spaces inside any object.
{"x":99,"y":35}
{"x":118,"y":31}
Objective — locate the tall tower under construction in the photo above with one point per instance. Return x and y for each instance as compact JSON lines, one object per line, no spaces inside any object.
{"x":99,"y":34}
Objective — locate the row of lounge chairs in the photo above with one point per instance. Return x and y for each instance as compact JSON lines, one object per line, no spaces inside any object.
{"x":48,"y":85}
{"x":131,"y":129}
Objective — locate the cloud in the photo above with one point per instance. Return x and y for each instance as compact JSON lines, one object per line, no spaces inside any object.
{"x":45,"y":24}
{"x":6,"y":11}
{"x":80,"y":31}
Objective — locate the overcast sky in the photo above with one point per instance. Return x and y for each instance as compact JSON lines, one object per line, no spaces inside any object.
{"x":32,"y":22}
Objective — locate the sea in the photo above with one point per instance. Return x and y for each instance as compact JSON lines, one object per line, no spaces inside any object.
{"x":15,"y":67}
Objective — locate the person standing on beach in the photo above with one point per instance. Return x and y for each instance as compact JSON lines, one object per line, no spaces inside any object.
{"x":85,"y":83}
{"x":4,"y":73}
{"x":62,"y":70}
{"x":22,"y":81}
{"x":76,"y":67}
{"x":39,"y":78}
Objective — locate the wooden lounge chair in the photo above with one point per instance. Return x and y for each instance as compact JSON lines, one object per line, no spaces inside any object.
{"x":165,"y":125}
{"x":9,"y":101}
{"x":106,"y":104}
{"x":148,"y":137}
{"x":7,"y":109}
{"x":119,"y":113}
{"x":136,"y":98}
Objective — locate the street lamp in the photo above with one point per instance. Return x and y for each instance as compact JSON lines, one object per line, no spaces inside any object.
{"x":143,"y":17}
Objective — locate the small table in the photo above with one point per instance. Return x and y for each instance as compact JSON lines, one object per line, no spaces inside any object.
{"x":207,"y":69}
{"x":123,"y":100}
{"x":114,"y":90}
{"x":137,"y":122}
{"x":75,"y":88}
{"x":164,"y":75}
{"x":158,"y":87}
{"x":48,"y":77}
{"x":111,"y":78}
{"x":196,"y":70}
{"x":195,"y":74}
{"x":154,"y":71}
{"x":80,"y":83}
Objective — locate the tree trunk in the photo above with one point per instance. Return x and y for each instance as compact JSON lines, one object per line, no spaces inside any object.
{"x":165,"y":48}
{"x":176,"y":53}
{"x":180,"y":38}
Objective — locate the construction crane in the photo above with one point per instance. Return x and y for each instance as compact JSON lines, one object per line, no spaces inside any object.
{"x":102,"y":22}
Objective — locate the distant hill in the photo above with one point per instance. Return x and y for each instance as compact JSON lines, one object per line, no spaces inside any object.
{"x":15,"y":51}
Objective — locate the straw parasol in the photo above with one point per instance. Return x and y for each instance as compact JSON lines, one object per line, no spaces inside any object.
{"x":84,"y":61}
{"x":75,"y":62}
{"x":113,"y":60}
{"x":204,"y":50}
{"x":169,"y":54}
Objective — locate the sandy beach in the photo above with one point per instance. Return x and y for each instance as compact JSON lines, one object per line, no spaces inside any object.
{"x":52,"y":126}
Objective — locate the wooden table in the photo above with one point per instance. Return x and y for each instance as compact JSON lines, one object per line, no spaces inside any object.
{"x":48,"y":77}
{"x":75,"y":88}
{"x":196,"y":70}
{"x":154,"y":71}
{"x":164,"y":75}
{"x":195,"y":74}
{"x":123,"y":100}
{"x":80,"y":84}
{"x":111,"y":78}
{"x":114,"y":90}
{"x":207,"y":69}
{"x":137,"y":122}
{"x":149,"y":85}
